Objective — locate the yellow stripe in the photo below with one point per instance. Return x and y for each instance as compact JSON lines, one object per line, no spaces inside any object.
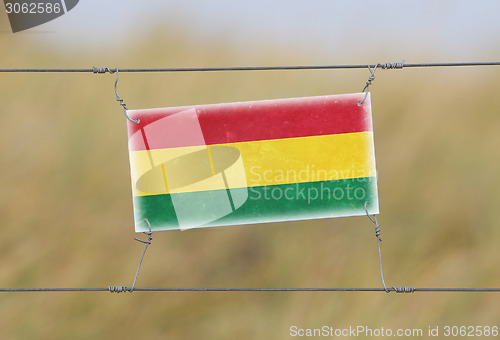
{"x":270,"y":162}
{"x":211,"y":161}
{"x":164,"y":177}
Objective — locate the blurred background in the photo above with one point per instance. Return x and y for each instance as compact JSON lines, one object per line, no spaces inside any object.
{"x":66,"y":208}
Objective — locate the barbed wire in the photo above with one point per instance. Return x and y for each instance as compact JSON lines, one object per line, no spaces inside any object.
{"x":398,"y":65}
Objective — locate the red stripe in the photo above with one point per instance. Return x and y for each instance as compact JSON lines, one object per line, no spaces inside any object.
{"x":259,"y":120}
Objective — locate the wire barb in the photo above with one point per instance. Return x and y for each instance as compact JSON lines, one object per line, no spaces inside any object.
{"x":118,"y":289}
{"x":102,"y":70}
{"x":404,"y":289}
{"x":392,"y":66}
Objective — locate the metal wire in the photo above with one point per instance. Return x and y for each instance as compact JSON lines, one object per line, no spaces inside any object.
{"x":147,"y":242}
{"x":377,"y":235}
{"x":249,"y":68}
{"x":365,"y":91}
{"x":173,"y":289}
{"x":379,"y":239}
{"x":118,"y":98}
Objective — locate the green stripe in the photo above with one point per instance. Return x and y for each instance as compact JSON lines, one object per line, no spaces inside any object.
{"x":272,"y":203}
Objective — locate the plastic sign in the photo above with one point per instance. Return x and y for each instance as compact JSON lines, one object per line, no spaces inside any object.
{"x":252,"y":162}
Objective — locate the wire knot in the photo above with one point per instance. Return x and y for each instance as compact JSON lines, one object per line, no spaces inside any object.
{"x":103,"y":70}
{"x":371,"y":78}
{"x":374,"y":220}
{"x":402,"y":289}
{"x":118,"y":289}
{"x":392,"y":66}
{"x":368,"y":83}
{"x":147,"y":233}
{"x":378,"y":232}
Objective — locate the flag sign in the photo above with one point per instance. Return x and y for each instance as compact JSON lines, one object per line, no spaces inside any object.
{"x":252,"y":162}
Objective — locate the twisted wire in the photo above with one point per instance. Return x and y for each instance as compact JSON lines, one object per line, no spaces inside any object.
{"x":368,"y":83}
{"x":404,"y":289}
{"x":120,"y":289}
{"x":392,"y":66}
{"x":147,"y":242}
{"x":102,"y":70}
{"x":379,"y":239}
{"x":117,"y":289}
{"x":118,"y":99}
{"x":250,"y":68}
{"x":377,"y":234}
